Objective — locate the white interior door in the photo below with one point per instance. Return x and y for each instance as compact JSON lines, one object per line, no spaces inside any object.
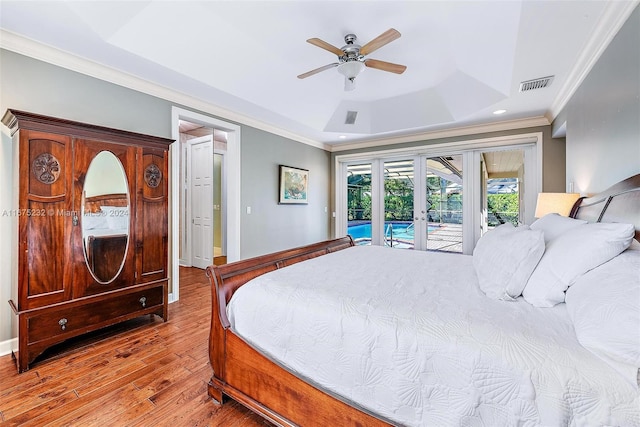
{"x":201,"y":186}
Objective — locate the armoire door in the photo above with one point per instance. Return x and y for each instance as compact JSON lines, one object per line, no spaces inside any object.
{"x":45,"y":219}
{"x":104,"y":199}
{"x":151,"y":216}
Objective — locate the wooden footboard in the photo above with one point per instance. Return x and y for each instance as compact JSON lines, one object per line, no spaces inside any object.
{"x":247,"y":376}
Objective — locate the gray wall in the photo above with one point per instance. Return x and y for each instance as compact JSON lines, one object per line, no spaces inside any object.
{"x":603,"y":116}
{"x":35,"y":86}
{"x":38,"y":87}
{"x":272,"y":226}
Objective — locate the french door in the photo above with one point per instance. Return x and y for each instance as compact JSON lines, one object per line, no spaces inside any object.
{"x":407,"y":203}
{"x":440,"y":201}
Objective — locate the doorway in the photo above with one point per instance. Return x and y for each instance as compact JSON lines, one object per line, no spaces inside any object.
{"x":223,"y":208}
{"x":203,"y":196}
{"x":502,"y":187}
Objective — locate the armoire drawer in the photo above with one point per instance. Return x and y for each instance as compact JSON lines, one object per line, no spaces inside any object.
{"x":91,"y":315}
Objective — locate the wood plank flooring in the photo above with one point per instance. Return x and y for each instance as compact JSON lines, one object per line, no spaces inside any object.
{"x":144,"y":372}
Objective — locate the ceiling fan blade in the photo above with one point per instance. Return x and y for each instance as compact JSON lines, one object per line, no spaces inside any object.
{"x":316,"y":71}
{"x":385,"y":66}
{"x":326,"y":46}
{"x":384,"y":38}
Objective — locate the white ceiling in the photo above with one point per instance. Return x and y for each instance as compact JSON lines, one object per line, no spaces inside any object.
{"x":464,"y":59}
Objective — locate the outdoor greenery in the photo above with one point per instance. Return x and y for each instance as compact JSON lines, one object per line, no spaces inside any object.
{"x":503,"y":208}
{"x":398,"y":202}
{"x":359,"y":197}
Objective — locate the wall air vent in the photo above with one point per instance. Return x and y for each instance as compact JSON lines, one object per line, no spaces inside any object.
{"x":536,"y":84}
{"x":351,"y":117}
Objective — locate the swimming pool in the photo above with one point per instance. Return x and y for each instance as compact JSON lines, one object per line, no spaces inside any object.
{"x":401,"y":230}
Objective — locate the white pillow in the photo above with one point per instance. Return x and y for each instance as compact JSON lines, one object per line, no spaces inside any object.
{"x":553,"y":225}
{"x":117,"y":217}
{"x":604,"y":306}
{"x":94,"y":220}
{"x":572,"y":254}
{"x":504,"y":259}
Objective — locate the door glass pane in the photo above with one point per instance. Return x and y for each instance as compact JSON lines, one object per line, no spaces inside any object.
{"x":359,"y":203}
{"x":399,"y":231}
{"x":444,"y":203}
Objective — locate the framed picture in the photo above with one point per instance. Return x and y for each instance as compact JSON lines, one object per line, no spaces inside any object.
{"x":294,"y":184}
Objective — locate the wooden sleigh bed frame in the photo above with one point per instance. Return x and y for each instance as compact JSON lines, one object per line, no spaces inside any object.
{"x":252,"y":379}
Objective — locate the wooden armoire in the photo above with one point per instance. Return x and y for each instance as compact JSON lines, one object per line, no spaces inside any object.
{"x":90,"y":238}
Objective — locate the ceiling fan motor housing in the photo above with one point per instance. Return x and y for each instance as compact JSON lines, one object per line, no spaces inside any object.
{"x":351,"y":49}
{"x":350,"y":38}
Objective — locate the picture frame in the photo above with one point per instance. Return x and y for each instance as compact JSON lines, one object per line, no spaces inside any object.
{"x":294,"y":186}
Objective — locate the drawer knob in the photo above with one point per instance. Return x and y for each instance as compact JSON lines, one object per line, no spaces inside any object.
{"x":143,"y":301}
{"x":63,"y":323}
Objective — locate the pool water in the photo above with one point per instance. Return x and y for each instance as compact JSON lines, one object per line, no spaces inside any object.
{"x":400,"y":230}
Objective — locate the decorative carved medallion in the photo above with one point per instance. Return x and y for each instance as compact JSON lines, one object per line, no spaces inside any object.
{"x":152,"y":176}
{"x":46,"y":168}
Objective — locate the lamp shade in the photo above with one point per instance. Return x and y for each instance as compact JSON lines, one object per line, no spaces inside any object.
{"x":560,"y":203}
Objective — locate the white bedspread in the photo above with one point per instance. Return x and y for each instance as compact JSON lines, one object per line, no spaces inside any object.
{"x":408,"y":335}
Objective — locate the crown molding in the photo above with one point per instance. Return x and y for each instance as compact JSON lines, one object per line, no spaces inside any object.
{"x":33,"y":49}
{"x":613,"y":18}
{"x":447,"y":133}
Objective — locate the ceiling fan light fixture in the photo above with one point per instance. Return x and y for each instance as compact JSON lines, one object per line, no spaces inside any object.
{"x":350,"y":69}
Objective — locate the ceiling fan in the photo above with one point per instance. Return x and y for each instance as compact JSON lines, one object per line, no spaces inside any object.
{"x":352,"y":57}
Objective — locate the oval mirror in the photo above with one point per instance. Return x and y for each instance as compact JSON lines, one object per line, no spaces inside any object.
{"x":105,"y":217}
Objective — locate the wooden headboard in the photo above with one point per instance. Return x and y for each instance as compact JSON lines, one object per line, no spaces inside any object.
{"x":93,"y":204}
{"x":619,"y":203}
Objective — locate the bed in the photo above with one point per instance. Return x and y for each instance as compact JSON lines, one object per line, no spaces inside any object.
{"x":348,"y":335}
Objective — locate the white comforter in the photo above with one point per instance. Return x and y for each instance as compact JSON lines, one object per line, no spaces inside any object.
{"x":409,"y":336}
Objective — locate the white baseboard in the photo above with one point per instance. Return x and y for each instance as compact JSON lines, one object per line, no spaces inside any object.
{"x":7,"y":346}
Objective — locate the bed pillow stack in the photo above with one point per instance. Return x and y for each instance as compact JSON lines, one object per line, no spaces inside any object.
{"x":505,"y":257}
{"x":571,"y":253}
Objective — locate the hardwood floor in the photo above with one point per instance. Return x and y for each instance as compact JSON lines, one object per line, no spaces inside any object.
{"x":144,"y":372}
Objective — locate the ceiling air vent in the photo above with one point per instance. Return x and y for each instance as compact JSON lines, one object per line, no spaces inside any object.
{"x":536,"y":84}
{"x":351,"y":117}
